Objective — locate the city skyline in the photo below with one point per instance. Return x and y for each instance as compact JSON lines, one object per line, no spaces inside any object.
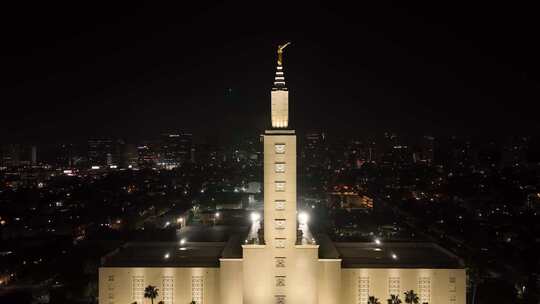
{"x":394,"y":151}
{"x":382,"y":67}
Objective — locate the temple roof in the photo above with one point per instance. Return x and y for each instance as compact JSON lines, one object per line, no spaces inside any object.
{"x":396,"y":255}
{"x":204,"y":246}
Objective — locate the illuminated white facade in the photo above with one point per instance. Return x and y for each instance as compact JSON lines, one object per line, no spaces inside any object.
{"x":288,"y":265}
{"x":280,"y":101}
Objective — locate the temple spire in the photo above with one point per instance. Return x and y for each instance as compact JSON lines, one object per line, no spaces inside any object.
{"x":280,"y":95}
{"x":279,"y":81}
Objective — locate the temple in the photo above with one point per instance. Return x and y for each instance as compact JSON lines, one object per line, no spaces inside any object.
{"x":277,"y":259}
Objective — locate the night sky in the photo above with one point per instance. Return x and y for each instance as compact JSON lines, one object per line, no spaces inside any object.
{"x":133,"y":71}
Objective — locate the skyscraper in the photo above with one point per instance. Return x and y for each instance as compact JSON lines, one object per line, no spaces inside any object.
{"x":175,"y":149}
{"x":102,"y":152}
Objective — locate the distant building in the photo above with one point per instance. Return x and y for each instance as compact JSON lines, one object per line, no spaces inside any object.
{"x":15,"y":155}
{"x":314,"y":150}
{"x":129,"y":156}
{"x":147,"y":154}
{"x":346,"y":197}
{"x":175,"y":149}
{"x":64,"y":155}
{"x":10,"y":155}
{"x":424,"y":153}
{"x":209,"y":155}
{"x":103,"y":152}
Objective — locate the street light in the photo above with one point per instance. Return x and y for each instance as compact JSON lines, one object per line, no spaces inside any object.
{"x":303,"y":218}
{"x":377,"y":241}
{"x":255,"y":216}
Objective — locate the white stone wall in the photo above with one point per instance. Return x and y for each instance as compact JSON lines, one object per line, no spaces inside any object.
{"x":434,"y":286}
{"x":280,"y":188}
{"x":229,"y":284}
{"x":280,"y":109}
{"x":231,"y":281}
{"x":121,"y":285}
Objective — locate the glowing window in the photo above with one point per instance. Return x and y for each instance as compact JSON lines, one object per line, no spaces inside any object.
{"x":197,"y":287}
{"x":363,"y":289}
{"x":452,"y":284}
{"x":279,"y":224}
{"x":280,"y":186}
{"x":280,"y":148}
{"x":393,"y":286}
{"x":280,"y":243}
{"x":280,"y":167}
{"x":280,"y":281}
{"x":424,"y":289}
{"x":280,"y":262}
{"x":137,"y":290}
{"x":168,"y":289}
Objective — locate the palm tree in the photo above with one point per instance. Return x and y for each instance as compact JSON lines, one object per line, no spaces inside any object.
{"x":151,"y":292}
{"x":475,"y":277}
{"x":394,"y":299}
{"x":411,"y":297}
{"x":373,"y":300}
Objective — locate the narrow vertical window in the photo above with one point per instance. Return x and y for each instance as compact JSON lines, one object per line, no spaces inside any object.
{"x":393,"y":286}
{"x":363,"y":290}
{"x":424,"y":289}
{"x":197,"y":288}
{"x":168,"y":289}
{"x":137,"y":288}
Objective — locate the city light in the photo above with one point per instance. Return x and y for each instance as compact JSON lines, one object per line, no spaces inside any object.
{"x":377,"y":241}
{"x":166,"y":256}
{"x":394,"y":256}
{"x":182,"y":241}
{"x":303,"y":218}
{"x":255,"y":216}
{"x":179,"y":220}
{"x":217,"y":215}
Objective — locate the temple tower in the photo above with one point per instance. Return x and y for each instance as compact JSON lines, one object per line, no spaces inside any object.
{"x":281,"y":268}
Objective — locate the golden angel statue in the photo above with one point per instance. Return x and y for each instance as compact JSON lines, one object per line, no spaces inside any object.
{"x":280,"y":53}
